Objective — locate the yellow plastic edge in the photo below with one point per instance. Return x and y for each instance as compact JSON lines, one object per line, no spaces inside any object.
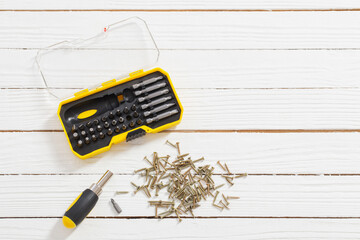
{"x":120,"y":137}
{"x":68,"y":222}
{"x":72,"y":204}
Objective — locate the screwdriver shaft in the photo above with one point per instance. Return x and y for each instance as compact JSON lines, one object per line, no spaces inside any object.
{"x":153,"y":95}
{"x":162,"y":116}
{"x":146,"y":82}
{"x":149,"y":89}
{"x":158,"y":109}
{"x":155,"y":102}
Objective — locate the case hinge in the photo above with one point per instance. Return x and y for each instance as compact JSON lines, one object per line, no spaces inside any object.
{"x":133,"y":74}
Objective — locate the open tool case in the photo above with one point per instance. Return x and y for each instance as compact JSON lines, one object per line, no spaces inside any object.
{"x":124,"y":108}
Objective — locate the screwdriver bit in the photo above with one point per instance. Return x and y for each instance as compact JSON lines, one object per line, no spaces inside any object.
{"x":158,"y":109}
{"x":136,"y":114}
{"x":123,"y":127}
{"x":153,"y":95}
{"x":126,"y":110}
{"x":149,"y":89}
{"x":162,"y":116}
{"x":101,"y":135}
{"x":76,"y":135}
{"x":111,"y":115}
{"x":99,"y":128}
{"x":87,"y":140}
{"x":132,"y":124}
{"x":109,"y":132}
{"x":118,"y":112}
{"x":81,"y":127}
{"x":96,"y":122}
{"x":146,"y":82}
{"x":94,"y":138}
{"x":73,"y":128}
{"x":121,"y":119}
{"x":79,"y":143}
{"x":133,"y":107}
{"x":91,"y":130}
{"x":104,"y":118}
{"x":89,"y":124}
{"x":139,"y":122}
{"x":155,"y":102}
{"x":113,"y":122}
{"x":117,"y":129}
{"x":106,"y":125}
{"x":83,"y":133}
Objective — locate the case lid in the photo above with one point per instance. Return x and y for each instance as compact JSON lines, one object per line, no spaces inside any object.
{"x":117,"y":50}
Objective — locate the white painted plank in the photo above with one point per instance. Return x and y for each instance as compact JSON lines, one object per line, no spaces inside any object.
{"x":299,"y":153}
{"x":252,"y":229}
{"x":212,"y":229}
{"x":216,"y":69}
{"x":189,"y":30}
{"x":35,"y":109}
{"x":185,"y":4}
{"x":276,"y":196}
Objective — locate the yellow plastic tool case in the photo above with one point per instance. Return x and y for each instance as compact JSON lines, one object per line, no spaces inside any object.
{"x":124,"y":108}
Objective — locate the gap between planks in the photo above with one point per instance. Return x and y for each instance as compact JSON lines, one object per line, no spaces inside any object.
{"x":227,"y":131}
{"x":215,"y":174}
{"x":186,"y":217}
{"x":183,"y":10}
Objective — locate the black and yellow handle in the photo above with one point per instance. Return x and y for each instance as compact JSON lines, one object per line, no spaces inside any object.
{"x":80,"y":208}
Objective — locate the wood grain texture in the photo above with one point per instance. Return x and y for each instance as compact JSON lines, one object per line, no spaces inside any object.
{"x":187,"y":30}
{"x":216,"y":69}
{"x":185,"y":4}
{"x":239,"y":109}
{"x":253,"y":153}
{"x":151,"y":229}
{"x":260,"y":196}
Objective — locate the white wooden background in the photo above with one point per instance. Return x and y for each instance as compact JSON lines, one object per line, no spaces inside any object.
{"x":284,"y":74}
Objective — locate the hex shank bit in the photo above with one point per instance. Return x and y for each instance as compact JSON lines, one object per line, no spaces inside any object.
{"x":155,"y":102}
{"x":159,"y":109}
{"x":153,"y":95}
{"x":146,"y":82}
{"x":149,"y":89}
{"x":162,"y":116}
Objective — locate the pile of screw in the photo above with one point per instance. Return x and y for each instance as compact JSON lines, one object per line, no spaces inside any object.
{"x":185,"y":183}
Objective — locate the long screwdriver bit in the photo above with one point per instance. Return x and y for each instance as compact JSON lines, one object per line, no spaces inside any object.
{"x":155,"y":102}
{"x":159,"y":109}
{"x":153,"y":95}
{"x":162,"y":116}
{"x":149,"y":89}
{"x":146,"y":82}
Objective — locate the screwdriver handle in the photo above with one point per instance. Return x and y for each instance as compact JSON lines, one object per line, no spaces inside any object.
{"x":80,"y":208}
{"x":85,"y":202}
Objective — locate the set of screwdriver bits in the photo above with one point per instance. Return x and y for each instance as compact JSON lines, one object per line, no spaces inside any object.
{"x":121,"y":111}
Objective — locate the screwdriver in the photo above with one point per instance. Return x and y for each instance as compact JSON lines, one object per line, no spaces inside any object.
{"x":85,"y":202}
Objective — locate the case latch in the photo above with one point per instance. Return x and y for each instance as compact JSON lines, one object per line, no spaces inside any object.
{"x":133,"y":74}
{"x":108,"y":82}
{"x":81,"y":93}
